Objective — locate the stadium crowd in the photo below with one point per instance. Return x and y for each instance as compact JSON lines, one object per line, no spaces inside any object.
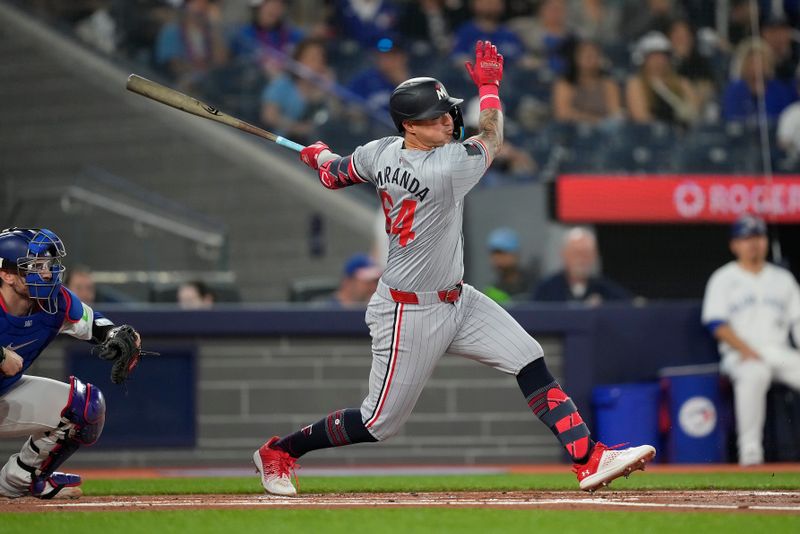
{"x":680,"y":83}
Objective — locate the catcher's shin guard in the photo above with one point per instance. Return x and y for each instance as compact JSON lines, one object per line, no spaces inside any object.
{"x":82,"y":421}
{"x":86,"y":409}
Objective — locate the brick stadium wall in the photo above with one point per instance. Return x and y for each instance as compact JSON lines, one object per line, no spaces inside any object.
{"x":250,"y":389}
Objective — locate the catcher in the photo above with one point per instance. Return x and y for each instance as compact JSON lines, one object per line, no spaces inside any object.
{"x":57,"y":417}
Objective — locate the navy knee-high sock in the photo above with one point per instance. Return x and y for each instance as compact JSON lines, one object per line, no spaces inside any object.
{"x":550,"y":404}
{"x":341,"y":427}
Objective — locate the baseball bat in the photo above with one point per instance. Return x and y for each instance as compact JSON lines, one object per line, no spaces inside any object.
{"x":178,"y":100}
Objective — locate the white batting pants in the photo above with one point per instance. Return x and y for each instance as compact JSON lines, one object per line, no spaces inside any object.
{"x":751,"y":380}
{"x":31,"y":408}
{"x":409,"y":339}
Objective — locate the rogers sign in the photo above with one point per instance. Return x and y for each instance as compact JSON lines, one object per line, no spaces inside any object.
{"x":676,"y":198}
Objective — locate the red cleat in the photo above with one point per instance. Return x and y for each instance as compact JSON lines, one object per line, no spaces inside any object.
{"x":608,"y":463}
{"x":276,"y":468}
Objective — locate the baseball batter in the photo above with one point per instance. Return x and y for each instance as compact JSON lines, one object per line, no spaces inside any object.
{"x":57,"y":417}
{"x":422,"y":308}
{"x":750,"y":306}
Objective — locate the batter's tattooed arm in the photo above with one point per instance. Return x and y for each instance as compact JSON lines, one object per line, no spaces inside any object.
{"x":490,"y":123}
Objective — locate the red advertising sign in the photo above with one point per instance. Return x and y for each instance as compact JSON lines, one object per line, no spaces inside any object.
{"x":675,"y":198}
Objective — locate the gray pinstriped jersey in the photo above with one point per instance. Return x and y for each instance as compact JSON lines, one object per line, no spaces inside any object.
{"x":422,"y":194}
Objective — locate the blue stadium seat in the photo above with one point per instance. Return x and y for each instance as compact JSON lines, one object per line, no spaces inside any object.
{"x":745,"y":142}
{"x":561,"y":133}
{"x":639,"y":158}
{"x":786,"y":163}
{"x":705,"y":158}
{"x":346,"y":58}
{"x":640,"y":148}
{"x":525,"y":83}
{"x":344,"y":132}
{"x":655,"y":134}
{"x":705,"y":131}
{"x":423,"y":60}
{"x":586,"y":145}
{"x":456,"y":80}
{"x":619,"y":57}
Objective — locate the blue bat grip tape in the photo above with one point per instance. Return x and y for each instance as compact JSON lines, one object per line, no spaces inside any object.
{"x":297,"y":147}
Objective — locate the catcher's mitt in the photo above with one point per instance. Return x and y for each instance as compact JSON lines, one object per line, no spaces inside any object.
{"x":123,"y":347}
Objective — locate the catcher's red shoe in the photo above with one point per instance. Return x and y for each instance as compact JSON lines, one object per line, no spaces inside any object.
{"x":608,"y":463}
{"x":276,"y":468}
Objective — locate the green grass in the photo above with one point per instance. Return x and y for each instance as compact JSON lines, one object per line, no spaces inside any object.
{"x":411,"y":520}
{"x":566,"y":481}
{"x":397,"y":520}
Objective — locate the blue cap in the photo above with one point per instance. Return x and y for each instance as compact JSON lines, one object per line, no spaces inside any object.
{"x":748,"y":226}
{"x":503,"y":240}
{"x":362,"y":266}
{"x":391,"y":43}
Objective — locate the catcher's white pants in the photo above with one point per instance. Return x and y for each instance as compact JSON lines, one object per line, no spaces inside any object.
{"x":31,"y":408}
{"x":751,"y":380}
{"x":409,"y":339}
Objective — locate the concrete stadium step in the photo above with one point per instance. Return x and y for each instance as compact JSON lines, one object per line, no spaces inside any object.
{"x":32,"y":67}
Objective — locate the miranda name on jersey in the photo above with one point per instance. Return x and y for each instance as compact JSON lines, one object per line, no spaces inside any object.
{"x":404,"y":180}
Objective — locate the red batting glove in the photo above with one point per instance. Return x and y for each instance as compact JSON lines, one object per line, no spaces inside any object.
{"x":310,"y":154}
{"x":488,"y":68}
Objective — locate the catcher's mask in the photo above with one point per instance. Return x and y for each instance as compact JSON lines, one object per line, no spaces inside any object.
{"x":425,"y":98}
{"x":36,"y":255}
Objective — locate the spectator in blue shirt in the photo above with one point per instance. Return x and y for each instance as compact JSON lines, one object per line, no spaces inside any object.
{"x":363,"y":21}
{"x":431,"y":22}
{"x":269,"y":38}
{"x":578,"y":281}
{"x":193,"y":45}
{"x":376,"y":83}
{"x":486,"y":25}
{"x":295,"y":103}
{"x":753,"y":77}
{"x":548,"y":35}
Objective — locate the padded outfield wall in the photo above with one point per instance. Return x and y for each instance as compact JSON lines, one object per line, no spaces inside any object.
{"x":229,"y":379}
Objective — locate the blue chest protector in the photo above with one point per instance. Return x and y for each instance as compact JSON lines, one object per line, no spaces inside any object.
{"x":29,"y":336}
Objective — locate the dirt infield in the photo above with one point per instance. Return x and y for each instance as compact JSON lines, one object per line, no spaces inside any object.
{"x":781,"y":502}
{"x":383,"y":470}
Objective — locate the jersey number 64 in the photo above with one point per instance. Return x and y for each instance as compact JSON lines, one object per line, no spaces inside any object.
{"x":404,"y":220}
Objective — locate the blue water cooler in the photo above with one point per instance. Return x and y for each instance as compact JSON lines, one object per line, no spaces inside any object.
{"x":627,"y":413}
{"x":695,"y":433}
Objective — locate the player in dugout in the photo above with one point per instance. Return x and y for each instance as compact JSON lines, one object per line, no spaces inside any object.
{"x":422,"y":308}
{"x":750,"y":306}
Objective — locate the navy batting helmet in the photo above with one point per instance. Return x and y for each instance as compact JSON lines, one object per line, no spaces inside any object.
{"x":425,"y":98}
{"x":36,"y":254}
